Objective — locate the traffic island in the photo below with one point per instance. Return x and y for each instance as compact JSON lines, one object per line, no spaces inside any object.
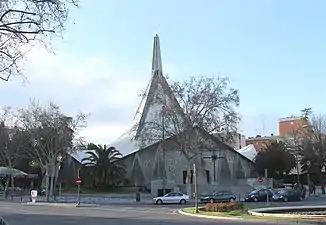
{"x":243,"y":214}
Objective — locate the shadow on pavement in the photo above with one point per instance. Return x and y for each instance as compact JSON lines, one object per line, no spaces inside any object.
{"x":26,"y":219}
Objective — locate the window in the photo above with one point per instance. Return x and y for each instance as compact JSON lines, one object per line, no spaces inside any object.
{"x":184,"y":176}
{"x":227,"y":193}
{"x":208,"y":177}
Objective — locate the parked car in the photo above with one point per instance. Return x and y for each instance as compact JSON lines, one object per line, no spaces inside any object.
{"x":41,"y":192}
{"x":258,"y":196}
{"x":287,"y":194}
{"x":172,"y":198}
{"x":219,"y":196}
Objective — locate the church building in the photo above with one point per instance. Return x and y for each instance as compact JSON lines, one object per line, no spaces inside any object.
{"x":158,"y":164}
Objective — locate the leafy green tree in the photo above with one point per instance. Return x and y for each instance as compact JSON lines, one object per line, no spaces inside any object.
{"x":103,"y":165}
{"x":276,"y":159}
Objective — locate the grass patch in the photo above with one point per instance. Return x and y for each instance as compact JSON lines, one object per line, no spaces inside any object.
{"x":244,"y":215}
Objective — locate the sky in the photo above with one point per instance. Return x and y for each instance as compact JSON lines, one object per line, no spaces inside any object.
{"x":273,"y":51}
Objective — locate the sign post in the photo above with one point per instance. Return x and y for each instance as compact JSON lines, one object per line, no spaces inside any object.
{"x":260,"y":179}
{"x":267,"y":190}
{"x":78,"y":183}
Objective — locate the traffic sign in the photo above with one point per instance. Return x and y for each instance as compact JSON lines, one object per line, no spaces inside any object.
{"x":260,"y":179}
{"x":78,"y":181}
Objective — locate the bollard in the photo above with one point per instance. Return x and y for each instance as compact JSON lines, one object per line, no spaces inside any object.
{"x":137,"y":197}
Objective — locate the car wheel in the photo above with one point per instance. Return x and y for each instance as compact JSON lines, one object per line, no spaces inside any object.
{"x":182,"y":201}
{"x":159,"y":202}
{"x":285,"y":199}
{"x":231,"y":199}
{"x":255,"y":199}
{"x":211,"y":200}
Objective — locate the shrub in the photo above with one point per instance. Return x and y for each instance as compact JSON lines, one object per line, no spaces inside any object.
{"x":223,"y":207}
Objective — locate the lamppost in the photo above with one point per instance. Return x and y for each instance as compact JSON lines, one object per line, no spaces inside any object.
{"x":163,"y":150}
{"x":195,"y":190}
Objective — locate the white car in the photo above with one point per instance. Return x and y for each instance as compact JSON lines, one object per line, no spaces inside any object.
{"x":170,"y":198}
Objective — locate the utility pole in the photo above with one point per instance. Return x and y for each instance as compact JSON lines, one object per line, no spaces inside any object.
{"x":298,"y":169}
{"x":163,"y":150}
{"x":195,"y":191}
{"x":267,"y":190}
{"x":78,"y":187}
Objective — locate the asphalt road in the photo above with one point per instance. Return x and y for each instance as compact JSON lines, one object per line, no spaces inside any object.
{"x":20,"y":214}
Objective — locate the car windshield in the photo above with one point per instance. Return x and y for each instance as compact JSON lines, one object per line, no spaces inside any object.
{"x":254,"y":192}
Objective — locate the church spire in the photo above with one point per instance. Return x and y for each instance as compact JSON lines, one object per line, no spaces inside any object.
{"x":157,"y":60}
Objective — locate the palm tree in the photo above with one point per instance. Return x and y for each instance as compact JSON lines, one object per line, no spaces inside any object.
{"x":103,"y":165}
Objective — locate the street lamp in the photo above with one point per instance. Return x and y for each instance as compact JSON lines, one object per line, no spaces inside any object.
{"x":195,"y":190}
{"x":163,"y":150}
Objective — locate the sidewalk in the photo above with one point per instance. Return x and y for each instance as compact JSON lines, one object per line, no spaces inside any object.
{"x":94,"y":200}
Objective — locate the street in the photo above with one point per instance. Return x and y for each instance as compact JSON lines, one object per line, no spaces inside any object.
{"x":22,"y":214}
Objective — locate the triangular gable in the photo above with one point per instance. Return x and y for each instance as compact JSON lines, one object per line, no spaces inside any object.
{"x":159,"y":94}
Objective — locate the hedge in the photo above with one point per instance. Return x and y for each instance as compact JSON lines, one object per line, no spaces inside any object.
{"x":223,"y":207}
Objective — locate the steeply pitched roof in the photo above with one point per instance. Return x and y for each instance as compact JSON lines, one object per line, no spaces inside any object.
{"x":205,"y":134}
{"x":157,"y":94}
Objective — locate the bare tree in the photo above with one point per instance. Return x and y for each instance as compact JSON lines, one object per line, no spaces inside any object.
{"x":52,"y":134}
{"x":24,"y":23}
{"x":313,"y":146}
{"x":207,"y":103}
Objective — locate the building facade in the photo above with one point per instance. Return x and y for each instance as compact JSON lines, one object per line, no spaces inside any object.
{"x":260,"y":143}
{"x":289,"y":125}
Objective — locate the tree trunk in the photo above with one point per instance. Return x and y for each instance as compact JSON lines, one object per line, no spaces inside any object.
{"x":51,"y":186}
{"x":12,"y":186}
{"x":11,"y":181}
{"x":47,"y":196}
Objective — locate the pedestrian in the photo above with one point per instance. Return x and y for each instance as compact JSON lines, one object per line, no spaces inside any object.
{"x":314,"y":188}
{"x":303,"y":191}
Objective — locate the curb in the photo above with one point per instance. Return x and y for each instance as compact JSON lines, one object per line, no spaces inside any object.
{"x":3,"y":221}
{"x":180,"y":211}
{"x":283,"y":220}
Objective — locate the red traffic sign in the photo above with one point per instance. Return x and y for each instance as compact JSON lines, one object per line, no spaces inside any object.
{"x":78,"y":181}
{"x":260,"y":180}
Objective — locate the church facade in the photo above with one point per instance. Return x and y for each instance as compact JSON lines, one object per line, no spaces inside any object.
{"x":156,"y":162}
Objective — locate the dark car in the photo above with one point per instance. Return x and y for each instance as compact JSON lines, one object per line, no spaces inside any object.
{"x":287,"y":194}
{"x":219,"y":196}
{"x":41,"y":192}
{"x":258,"y":196}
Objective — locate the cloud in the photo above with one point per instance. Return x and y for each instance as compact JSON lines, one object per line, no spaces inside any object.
{"x":91,"y":84}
